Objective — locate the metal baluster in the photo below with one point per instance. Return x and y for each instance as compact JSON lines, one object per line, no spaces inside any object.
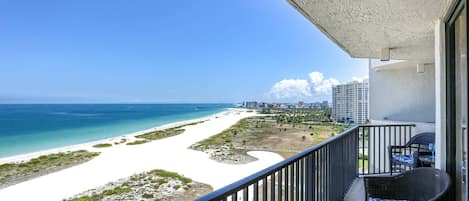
{"x":245,"y":194}
{"x":298,"y":180}
{"x":308,"y":178}
{"x":234,"y":197}
{"x":313,"y":177}
{"x":272,"y":187}
{"x":292,"y":181}
{"x":323,"y":173}
{"x":316,"y":174}
{"x":406,"y":151}
{"x":395,"y":142}
{"x":328,"y":173}
{"x":368,"y":148}
{"x":302,"y":179}
{"x":256,"y":191}
{"x":279,"y":186}
{"x":386,"y":150}
{"x":287,"y":187}
{"x":363,"y":150}
{"x":264,"y":189}
{"x":400,"y":144}
{"x":379,"y":149}
{"x":320,"y":174}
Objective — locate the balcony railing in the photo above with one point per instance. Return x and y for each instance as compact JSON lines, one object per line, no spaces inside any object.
{"x":323,"y":172}
{"x":374,"y":141}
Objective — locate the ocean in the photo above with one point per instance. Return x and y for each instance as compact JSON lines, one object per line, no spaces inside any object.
{"x":28,"y":128}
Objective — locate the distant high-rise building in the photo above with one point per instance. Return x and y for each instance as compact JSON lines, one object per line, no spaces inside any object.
{"x":251,"y":104}
{"x":301,"y":104}
{"x":350,"y":102}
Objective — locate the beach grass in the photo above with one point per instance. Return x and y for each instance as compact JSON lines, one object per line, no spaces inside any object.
{"x":137,"y":142}
{"x":156,"y":135}
{"x":104,"y":145}
{"x":160,"y":134}
{"x":13,"y":173}
{"x":121,"y":141}
{"x":225,"y":136}
{"x":152,"y":185}
{"x":285,"y":134}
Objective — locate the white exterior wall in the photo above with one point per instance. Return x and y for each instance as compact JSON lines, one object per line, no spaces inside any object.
{"x":440,"y":93}
{"x":386,"y":77}
{"x":402,"y":94}
{"x":419,"y":97}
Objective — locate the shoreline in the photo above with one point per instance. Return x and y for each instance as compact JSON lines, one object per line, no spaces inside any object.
{"x":89,"y":145}
{"x":170,"y":154}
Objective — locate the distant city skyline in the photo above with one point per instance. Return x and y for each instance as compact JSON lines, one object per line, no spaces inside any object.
{"x":166,"y":52}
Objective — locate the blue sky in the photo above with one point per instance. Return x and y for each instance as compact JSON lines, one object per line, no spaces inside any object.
{"x":165,"y":51}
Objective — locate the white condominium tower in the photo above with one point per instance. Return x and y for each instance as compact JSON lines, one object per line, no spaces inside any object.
{"x":350,"y":102}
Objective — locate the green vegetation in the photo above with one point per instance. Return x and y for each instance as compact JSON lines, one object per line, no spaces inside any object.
{"x":117,"y":190}
{"x":87,"y":198}
{"x":225,"y":137}
{"x":156,"y":135}
{"x":171,"y":175}
{"x":102,"y":145}
{"x":287,"y":132}
{"x":151,"y":185}
{"x":147,"y":195}
{"x":13,"y":173}
{"x":363,"y":164}
{"x":300,"y":115}
{"x":160,"y":134}
{"x":123,"y":140}
{"x":363,"y":161}
{"x":363,"y":156}
{"x":138,"y":142}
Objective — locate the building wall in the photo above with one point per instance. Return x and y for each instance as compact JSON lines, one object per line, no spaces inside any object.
{"x":402,"y":94}
{"x":350,"y":102}
{"x":440,"y":83}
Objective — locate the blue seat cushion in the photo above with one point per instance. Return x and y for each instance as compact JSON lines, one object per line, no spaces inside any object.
{"x":379,"y":199}
{"x":404,"y":158}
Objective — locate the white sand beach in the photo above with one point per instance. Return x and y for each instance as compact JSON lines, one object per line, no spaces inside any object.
{"x":171,"y":154}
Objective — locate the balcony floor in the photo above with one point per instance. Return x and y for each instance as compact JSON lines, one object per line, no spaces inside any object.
{"x":356,"y":191}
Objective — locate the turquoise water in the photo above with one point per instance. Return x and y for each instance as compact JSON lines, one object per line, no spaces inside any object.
{"x":29,"y":128}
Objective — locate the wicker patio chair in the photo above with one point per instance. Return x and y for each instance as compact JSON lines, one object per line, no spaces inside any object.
{"x":420,"y":184}
{"x":407,"y":156}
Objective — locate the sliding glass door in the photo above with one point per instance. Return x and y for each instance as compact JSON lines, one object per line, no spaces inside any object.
{"x":457,"y":100}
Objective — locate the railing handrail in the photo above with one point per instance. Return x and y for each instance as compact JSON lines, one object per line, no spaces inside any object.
{"x":385,"y":125}
{"x":236,"y":186}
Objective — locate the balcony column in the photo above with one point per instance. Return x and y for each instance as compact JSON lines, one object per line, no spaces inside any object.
{"x":440,"y":93}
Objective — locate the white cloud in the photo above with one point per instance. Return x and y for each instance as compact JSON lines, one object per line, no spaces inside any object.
{"x":316,"y":77}
{"x":320,"y":85}
{"x":291,"y":88}
{"x":315,"y":88}
{"x":325,"y":86}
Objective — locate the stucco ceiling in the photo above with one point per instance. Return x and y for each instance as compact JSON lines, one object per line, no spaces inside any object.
{"x":363,"y":27}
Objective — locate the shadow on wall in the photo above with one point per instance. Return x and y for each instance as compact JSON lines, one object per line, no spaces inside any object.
{"x":419,"y":126}
{"x":412,"y":115}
